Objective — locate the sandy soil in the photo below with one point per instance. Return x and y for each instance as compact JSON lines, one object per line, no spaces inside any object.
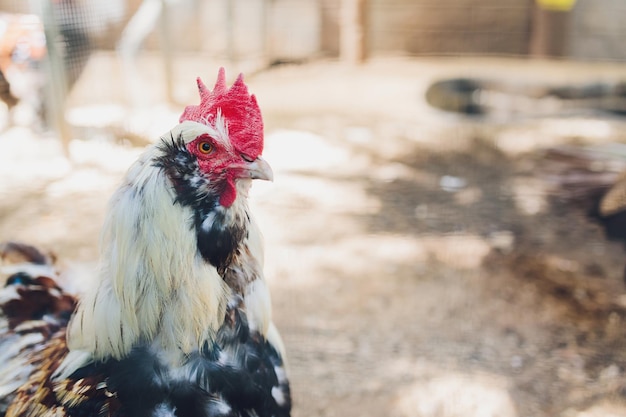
{"x":419,"y":263}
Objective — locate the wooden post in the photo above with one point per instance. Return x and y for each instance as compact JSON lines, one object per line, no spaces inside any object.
{"x":230,"y":32}
{"x":57,"y":84}
{"x":550,"y":29}
{"x":166,"y":51}
{"x":141,"y":24}
{"x":353,"y":45}
{"x":265,"y":25}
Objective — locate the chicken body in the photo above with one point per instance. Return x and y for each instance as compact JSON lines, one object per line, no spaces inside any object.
{"x":179,"y":323}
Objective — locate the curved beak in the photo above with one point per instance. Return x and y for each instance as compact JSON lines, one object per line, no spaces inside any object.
{"x":259,"y":169}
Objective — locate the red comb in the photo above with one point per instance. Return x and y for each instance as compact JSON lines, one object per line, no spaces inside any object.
{"x":239,"y":109}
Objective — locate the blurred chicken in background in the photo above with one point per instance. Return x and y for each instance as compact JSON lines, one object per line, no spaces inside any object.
{"x":22,"y":47}
{"x":23,"y":50}
{"x":593,"y":178}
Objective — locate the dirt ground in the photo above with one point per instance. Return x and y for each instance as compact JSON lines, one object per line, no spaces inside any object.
{"x":420,"y":263}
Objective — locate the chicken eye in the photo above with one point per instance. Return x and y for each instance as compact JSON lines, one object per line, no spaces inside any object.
{"x":205,"y":147}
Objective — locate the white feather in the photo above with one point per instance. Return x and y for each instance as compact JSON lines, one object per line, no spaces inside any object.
{"x":15,"y":367}
{"x":273,"y":337}
{"x":73,"y":360}
{"x":279,"y":396}
{"x":218,"y":130}
{"x":9,"y":293}
{"x":164,"y":410}
{"x":258,"y":306}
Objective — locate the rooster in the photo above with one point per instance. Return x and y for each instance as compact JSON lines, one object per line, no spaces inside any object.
{"x":24,"y":46}
{"x":179,"y":321}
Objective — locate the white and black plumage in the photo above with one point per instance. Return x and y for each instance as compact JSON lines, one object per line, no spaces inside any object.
{"x":179,"y":322}
{"x":32,"y":309}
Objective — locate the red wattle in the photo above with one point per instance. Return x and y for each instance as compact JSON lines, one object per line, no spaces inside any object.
{"x":228,"y":196}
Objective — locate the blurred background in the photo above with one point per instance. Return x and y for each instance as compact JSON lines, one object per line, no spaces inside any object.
{"x":445,"y":233}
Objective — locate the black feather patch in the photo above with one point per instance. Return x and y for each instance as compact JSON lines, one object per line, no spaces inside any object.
{"x":191,"y":186}
{"x":217,"y":240}
{"x":246,"y":374}
{"x":140,"y":383}
{"x":237,"y":374}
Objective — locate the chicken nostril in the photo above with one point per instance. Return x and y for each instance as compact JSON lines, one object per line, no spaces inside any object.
{"x":247,"y":158}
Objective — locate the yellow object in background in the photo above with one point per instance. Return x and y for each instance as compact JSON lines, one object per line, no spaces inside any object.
{"x":557,"y":5}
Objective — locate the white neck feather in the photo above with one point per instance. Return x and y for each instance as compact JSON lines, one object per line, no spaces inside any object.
{"x":152,"y":281}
